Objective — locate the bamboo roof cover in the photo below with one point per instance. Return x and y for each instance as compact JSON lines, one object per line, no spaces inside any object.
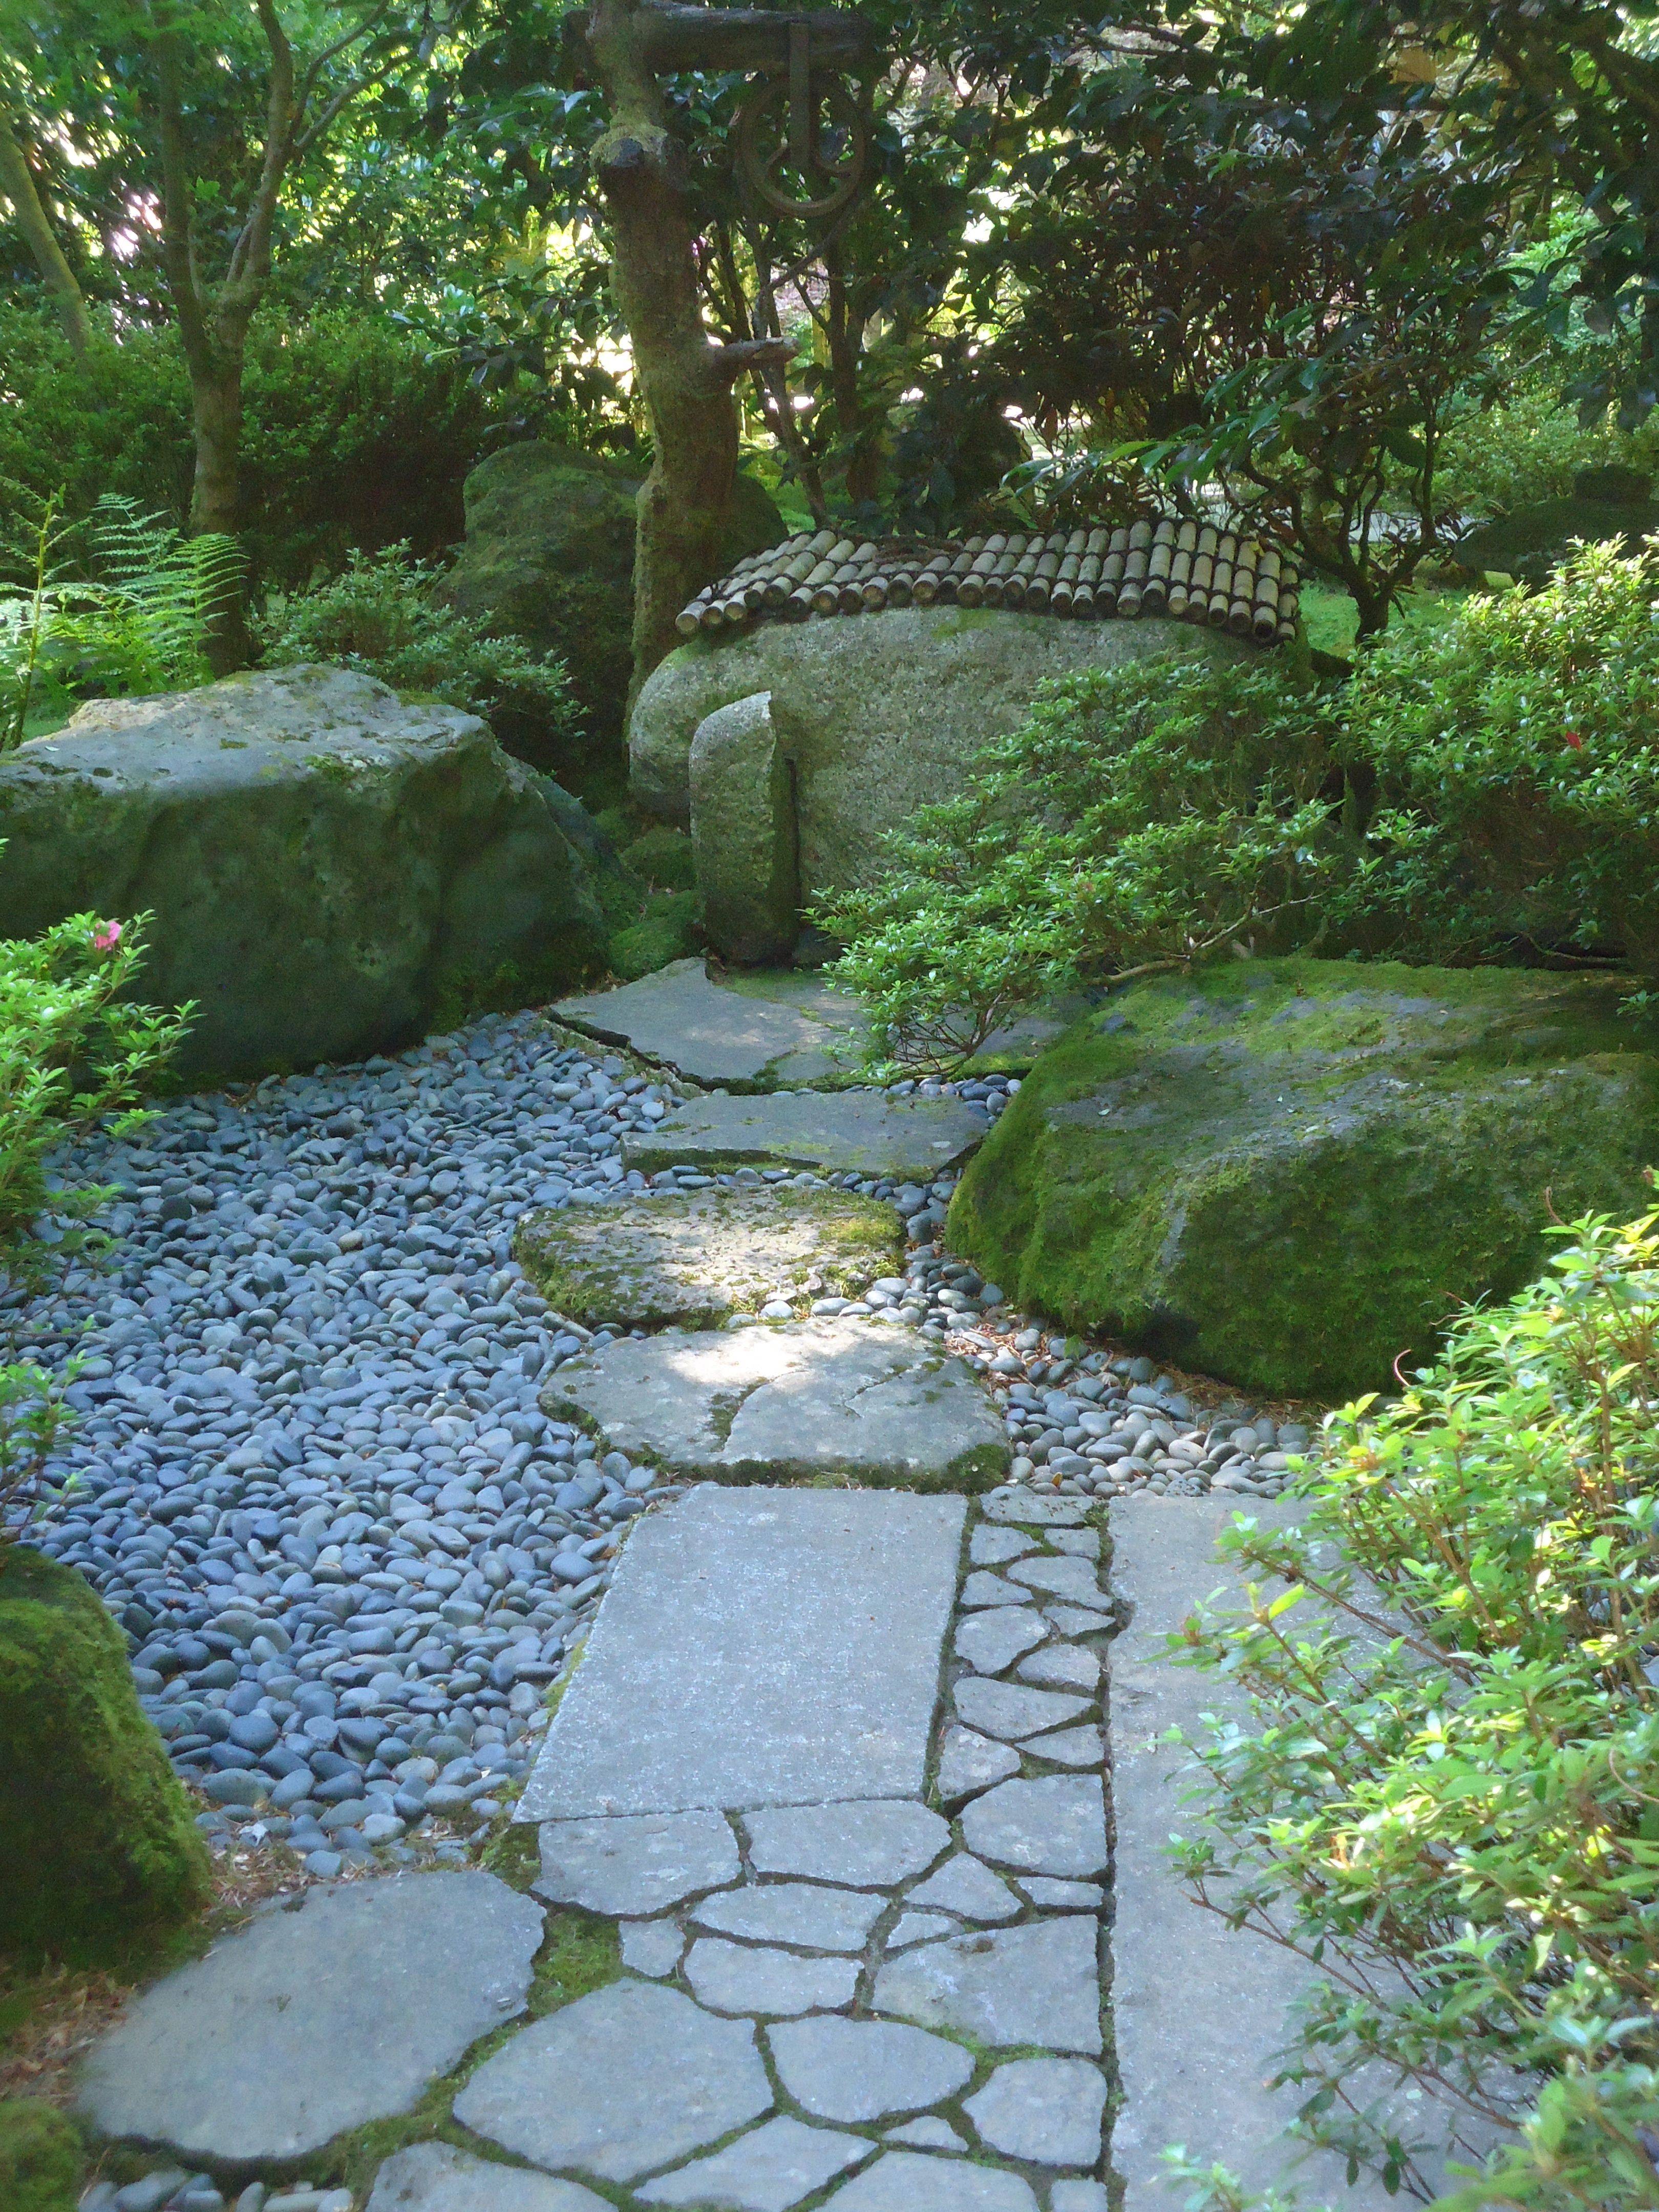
{"x":1183,"y":571}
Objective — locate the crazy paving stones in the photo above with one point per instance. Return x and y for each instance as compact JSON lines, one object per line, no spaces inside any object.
{"x":317,"y":2018}
{"x":1006,"y":1987}
{"x":692,"y":1258}
{"x":636,"y":1866}
{"x":800,"y":1398}
{"x":432,"y":2177}
{"x":753,"y":1031}
{"x":1055,"y":1824}
{"x":618,"y":2084}
{"x":758,"y":1648}
{"x":866,"y":2069}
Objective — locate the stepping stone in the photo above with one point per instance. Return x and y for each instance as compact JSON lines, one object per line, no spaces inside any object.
{"x":968,"y":1763}
{"x":759,"y":1647}
{"x":754,"y":1032}
{"x":650,"y":1946}
{"x":794,"y":1400}
{"x":989,"y":1545}
{"x":796,"y":1912}
{"x":309,"y":2021}
{"x":1009,"y":1712}
{"x":636,"y":1866}
{"x":432,"y":2177}
{"x":1072,"y":1620}
{"x":1078,"y":1746}
{"x":775,"y":2166}
{"x":929,"y":2133}
{"x":964,"y":1887}
{"x":865,"y":1846}
{"x":1075,"y":1580}
{"x":1056,"y":1825}
{"x":909,"y":2181}
{"x":692,"y":1258}
{"x":1061,"y":1667}
{"x":1078,"y":2196}
{"x":1030,"y":1509}
{"x":743,"y":1977}
{"x":628,"y":2079}
{"x":1200,"y":2010}
{"x":1037,"y":1985}
{"x":992,"y":1640}
{"x":1045,"y":2110}
{"x":866,"y":2069}
{"x":1081,"y":1543}
{"x":860,"y":1132}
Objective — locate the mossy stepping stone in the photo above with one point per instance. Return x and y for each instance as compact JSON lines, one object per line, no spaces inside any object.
{"x":695,"y":1257}
{"x":848,"y":1133}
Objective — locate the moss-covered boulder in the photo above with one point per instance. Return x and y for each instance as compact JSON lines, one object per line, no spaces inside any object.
{"x":40,"y":2158}
{"x":1289,"y":1172}
{"x":98,"y":1850}
{"x":549,"y":557}
{"x":332,"y":872}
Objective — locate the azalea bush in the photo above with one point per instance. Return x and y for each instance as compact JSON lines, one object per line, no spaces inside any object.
{"x":75,"y":1053}
{"x":1484,"y":789}
{"x":1145,"y":817}
{"x":1446,"y":1795}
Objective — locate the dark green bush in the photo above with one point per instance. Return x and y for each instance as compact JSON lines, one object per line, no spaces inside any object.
{"x":1448,"y":1798}
{"x":354,"y":434}
{"x":381,"y":616}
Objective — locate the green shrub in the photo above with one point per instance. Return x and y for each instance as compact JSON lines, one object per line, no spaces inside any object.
{"x":354,"y":433}
{"x":41,"y":2157}
{"x":74,"y":1052}
{"x":1448,"y":1796}
{"x":1530,"y":449}
{"x":1484,"y":789}
{"x":1144,"y":816}
{"x":381,"y":617}
{"x":1513,"y":748}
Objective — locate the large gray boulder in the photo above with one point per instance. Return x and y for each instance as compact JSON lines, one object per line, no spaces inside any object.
{"x":332,"y":872}
{"x":851,"y":722}
{"x":549,"y":557}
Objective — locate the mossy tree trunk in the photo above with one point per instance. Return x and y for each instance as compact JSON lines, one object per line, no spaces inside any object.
{"x":684,"y":377}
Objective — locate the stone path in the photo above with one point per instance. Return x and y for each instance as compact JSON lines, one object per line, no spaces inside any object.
{"x":825,"y":1784}
{"x":754,"y":1032}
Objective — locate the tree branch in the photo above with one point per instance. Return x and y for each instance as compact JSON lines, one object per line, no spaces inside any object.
{"x":18,"y":185}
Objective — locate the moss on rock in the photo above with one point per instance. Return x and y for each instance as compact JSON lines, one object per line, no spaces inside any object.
{"x":1289,"y":1172}
{"x":40,"y":2158}
{"x":692,"y":1258}
{"x":98,"y":1850}
{"x":666,"y":931}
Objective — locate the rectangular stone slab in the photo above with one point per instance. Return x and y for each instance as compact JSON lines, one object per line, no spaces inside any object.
{"x":1200,"y":2009}
{"x":837,"y":1132}
{"x":759,"y":1647}
{"x":766,"y":1031}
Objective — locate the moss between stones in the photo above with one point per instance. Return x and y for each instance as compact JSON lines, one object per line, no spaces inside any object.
{"x":98,"y":1850}
{"x":40,"y":2158}
{"x":1289,"y":1173}
{"x":663,"y":857}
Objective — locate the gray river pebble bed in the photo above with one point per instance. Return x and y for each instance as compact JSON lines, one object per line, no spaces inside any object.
{"x":310,"y":1474}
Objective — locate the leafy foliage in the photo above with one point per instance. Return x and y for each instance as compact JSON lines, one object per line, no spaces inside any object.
{"x":138,"y":624}
{"x":1513,"y":755}
{"x":381,"y":617}
{"x":74,"y":1051}
{"x":34,"y":1417}
{"x":1486,"y":788}
{"x":1145,"y":817}
{"x":1445,"y":1797}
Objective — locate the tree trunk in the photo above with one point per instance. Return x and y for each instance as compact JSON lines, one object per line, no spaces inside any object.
{"x":18,"y":185}
{"x":217,"y":417}
{"x":683,"y":503}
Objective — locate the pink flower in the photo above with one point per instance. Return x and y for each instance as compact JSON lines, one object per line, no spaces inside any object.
{"x":107,"y":939}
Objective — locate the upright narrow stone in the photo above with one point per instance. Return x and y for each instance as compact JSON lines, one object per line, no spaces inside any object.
{"x":744,"y":832}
